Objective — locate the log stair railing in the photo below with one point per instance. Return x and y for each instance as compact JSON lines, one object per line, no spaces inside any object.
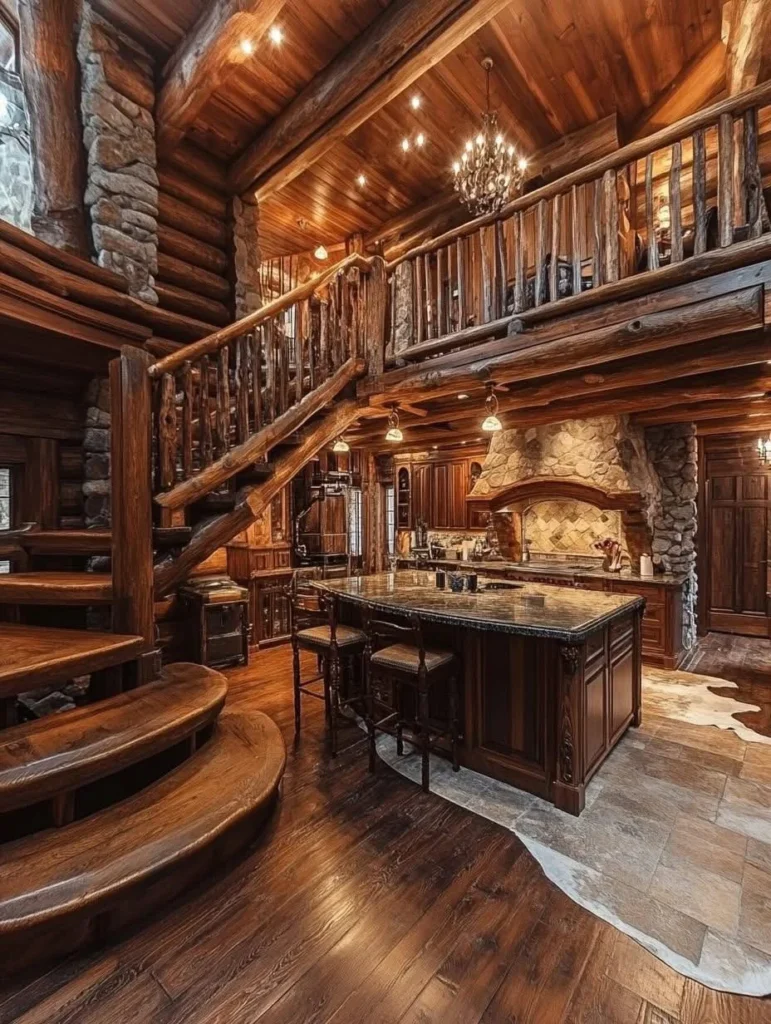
{"x":683,"y":203}
{"x":226,"y":422}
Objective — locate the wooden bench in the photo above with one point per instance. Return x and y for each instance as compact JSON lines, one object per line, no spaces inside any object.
{"x":54,"y":756}
{"x":62,"y":888}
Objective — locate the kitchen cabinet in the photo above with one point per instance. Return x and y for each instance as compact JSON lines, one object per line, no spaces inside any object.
{"x":422,"y":479}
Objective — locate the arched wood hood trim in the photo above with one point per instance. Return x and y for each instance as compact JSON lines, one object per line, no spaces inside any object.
{"x":538,"y":488}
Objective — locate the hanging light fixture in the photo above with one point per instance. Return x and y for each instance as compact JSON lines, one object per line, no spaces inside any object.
{"x":491,"y":424}
{"x":394,"y":433}
{"x":341,"y":445}
{"x":489,"y":171}
{"x":764,"y":449}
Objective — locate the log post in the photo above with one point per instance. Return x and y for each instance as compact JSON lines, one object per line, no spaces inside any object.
{"x":132,"y":517}
{"x":49,"y":74}
{"x":375,"y":317}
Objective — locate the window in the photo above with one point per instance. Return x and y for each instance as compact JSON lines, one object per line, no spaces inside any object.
{"x":354,"y":523}
{"x":9,"y":42}
{"x":5,"y":508}
{"x":390,"y":519}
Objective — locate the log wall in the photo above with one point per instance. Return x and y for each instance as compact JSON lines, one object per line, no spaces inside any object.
{"x":194,"y":237}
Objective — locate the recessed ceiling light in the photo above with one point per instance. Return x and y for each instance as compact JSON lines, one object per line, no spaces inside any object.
{"x":415,"y":102}
{"x":276,"y":35}
{"x":247,"y":46}
{"x":420,"y":140}
{"x":462,"y":396}
{"x":405,"y":145}
{"x":361,"y":181}
{"x":435,"y":446}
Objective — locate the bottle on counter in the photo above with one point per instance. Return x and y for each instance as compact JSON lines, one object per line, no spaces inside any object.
{"x":646,"y":565}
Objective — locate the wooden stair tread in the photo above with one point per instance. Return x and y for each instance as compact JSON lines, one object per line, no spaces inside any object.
{"x":63,"y":752}
{"x":56,"y":588}
{"x":67,"y":542}
{"x":85,"y":867}
{"x":38,"y":655}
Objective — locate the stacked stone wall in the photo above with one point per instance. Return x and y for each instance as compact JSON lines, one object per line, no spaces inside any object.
{"x":118,"y":95}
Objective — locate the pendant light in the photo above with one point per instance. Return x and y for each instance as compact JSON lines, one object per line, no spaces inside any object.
{"x":341,"y":445}
{"x":393,"y":433}
{"x":491,"y":424}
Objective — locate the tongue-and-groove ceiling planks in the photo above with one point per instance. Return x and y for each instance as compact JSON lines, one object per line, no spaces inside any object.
{"x":559,"y":66}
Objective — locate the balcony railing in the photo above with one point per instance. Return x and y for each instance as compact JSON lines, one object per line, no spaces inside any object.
{"x":676,"y":196}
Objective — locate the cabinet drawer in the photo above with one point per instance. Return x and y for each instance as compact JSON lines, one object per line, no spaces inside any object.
{"x":223,"y":618}
{"x":224,"y":649}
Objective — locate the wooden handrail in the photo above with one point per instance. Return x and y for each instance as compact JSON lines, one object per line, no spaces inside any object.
{"x":705,"y":118}
{"x":214,"y":342}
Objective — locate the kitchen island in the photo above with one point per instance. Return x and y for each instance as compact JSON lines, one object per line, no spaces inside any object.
{"x":551,"y":676}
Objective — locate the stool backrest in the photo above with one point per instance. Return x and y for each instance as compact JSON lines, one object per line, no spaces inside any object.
{"x":384,"y":633}
{"x":305,"y":600}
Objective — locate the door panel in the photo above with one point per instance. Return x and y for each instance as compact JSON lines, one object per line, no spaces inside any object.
{"x":752,"y":581}
{"x":723,"y":562}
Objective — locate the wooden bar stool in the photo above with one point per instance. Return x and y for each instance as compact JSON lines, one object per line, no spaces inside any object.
{"x":315,"y":629}
{"x":397,"y":658}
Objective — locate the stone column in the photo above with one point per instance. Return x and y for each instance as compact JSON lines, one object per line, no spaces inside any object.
{"x":247,"y":258}
{"x":673,"y":452}
{"x":118,"y":95}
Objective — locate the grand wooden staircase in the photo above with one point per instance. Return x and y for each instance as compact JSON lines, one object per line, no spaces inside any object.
{"x":113,"y":807}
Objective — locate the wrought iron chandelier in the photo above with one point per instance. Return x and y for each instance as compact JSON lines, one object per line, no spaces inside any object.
{"x":489,"y":171}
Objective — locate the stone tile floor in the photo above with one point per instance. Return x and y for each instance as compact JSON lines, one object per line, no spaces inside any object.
{"x":674,"y":847}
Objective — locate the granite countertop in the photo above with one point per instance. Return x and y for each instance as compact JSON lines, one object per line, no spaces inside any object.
{"x":558,"y":569}
{"x":533,"y":609}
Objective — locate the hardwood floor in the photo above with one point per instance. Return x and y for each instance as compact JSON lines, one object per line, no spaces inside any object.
{"x":368,"y":901}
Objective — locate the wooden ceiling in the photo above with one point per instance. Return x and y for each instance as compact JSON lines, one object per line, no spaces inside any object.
{"x":560,"y":65}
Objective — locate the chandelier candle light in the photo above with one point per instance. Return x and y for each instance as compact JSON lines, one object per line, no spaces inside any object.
{"x":490,"y":170}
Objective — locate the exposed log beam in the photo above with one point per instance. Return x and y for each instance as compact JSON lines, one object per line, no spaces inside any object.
{"x":749,"y":44}
{"x":205,"y":57}
{"x":49,"y":74}
{"x":700,"y":82}
{"x":407,"y":39}
{"x":717,"y":354}
{"x":253,"y":501}
{"x":747,"y":385}
{"x":702,"y":411}
{"x":649,"y":332}
{"x":736,"y":425}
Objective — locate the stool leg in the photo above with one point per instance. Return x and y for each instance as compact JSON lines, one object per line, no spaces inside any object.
{"x":454,"y":722}
{"x":296,"y":681}
{"x":370,"y":701}
{"x":325,"y":666}
{"x":424,"y":734}
{"x":334,"y":698}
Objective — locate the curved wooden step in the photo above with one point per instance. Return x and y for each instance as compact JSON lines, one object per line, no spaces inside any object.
{"x":46,"y":588}
{"x":61,"y":753}
{"x":53,"y":885}
{"x":35,"y":656}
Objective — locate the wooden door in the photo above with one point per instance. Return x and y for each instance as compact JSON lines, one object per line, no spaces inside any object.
{"x":421,"y":493}
{"x":736,"y":501}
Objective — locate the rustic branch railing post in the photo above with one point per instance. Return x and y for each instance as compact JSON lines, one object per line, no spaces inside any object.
{"x":132,"y":514}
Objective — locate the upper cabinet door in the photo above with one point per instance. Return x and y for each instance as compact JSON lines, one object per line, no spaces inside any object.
{"x":459,"y":483}
{"x":441,"y":497}
{"x":421,"y":494}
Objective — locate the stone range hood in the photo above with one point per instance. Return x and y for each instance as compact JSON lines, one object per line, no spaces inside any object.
{"x":639,"y":482}
{"x":573,"y":471}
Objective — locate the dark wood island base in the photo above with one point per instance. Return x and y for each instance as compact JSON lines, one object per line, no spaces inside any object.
{"x":551,"y":677}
